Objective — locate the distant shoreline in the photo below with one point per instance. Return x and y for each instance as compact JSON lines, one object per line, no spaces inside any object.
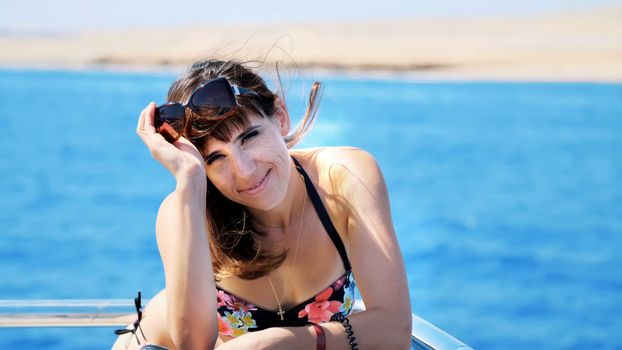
{"x":581,"y":46}
{"x":319,"y":74}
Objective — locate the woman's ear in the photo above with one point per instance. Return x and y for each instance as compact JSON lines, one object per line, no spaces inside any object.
{"x":281,"y":116}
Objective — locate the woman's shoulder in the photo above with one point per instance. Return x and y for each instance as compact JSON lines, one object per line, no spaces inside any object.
{"x":338,"y":168}
{"x":334,"y":156}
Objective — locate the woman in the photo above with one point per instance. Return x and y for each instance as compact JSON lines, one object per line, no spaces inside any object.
{"x":255,"y":231}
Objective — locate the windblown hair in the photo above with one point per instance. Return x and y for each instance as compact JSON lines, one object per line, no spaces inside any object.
{"x":232,"y":234}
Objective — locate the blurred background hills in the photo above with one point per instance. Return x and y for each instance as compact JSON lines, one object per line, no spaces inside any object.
{"x":578,"y":44}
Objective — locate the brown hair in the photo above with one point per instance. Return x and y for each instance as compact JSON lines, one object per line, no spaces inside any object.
{"x":233,"y":246}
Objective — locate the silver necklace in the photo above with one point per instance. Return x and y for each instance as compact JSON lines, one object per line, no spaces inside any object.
{"x":279,"y":301}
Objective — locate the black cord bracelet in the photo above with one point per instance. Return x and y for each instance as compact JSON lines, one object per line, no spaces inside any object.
{"x":346,"y":324}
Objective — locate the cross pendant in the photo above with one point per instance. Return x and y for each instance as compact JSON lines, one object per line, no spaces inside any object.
{"x":281,"y":313}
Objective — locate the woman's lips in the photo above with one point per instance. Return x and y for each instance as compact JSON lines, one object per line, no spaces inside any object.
{"x":258,"y":187}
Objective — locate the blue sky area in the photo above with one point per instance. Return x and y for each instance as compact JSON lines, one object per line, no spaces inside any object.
{"x":69,"y":15}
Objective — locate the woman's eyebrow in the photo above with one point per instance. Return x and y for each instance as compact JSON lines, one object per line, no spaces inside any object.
{"x":246,"y":132}
{"x":239,"y":137}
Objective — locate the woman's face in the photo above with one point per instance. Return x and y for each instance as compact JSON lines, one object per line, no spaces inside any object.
{"x":253,"y":168}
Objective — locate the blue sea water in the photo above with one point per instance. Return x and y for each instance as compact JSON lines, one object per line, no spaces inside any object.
{"x":506,"y":198}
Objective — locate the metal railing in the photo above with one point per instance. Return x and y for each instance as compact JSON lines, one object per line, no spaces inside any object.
{"x":120,"y":313}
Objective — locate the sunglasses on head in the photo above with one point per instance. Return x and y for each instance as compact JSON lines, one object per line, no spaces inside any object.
{"x":214,"y":98}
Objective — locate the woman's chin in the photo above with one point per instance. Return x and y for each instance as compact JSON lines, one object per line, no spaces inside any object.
{"x":269,"y":201}
{"x":260,"y":205}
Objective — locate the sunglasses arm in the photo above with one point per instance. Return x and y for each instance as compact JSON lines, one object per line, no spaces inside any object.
{"x":240,"y":91}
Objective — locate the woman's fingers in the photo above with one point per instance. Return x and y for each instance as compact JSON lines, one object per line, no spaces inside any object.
{"x":150,"y":120}
{"x":159,"y":148}
{"x":179,"y":155}
{"x":145,"y":121}
{"x":184,"y":141}
{"x":184,"y":144}
{"x":148,"y":125}
{"x":139,"y":126}
{"x":145,"y":128}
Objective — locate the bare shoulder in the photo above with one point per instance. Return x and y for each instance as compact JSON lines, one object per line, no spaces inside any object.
{"x":337,"y":169}
{"x":347,"y":176}
{"x":330,"y":159}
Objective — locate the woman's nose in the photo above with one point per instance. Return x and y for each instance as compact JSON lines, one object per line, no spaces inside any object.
{"x":244,"y":166}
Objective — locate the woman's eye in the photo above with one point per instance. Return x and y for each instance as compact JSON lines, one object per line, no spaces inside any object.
{"x":249,"y":136}
{"x":213,"y":158}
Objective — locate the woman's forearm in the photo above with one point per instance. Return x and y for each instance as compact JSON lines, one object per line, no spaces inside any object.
{"x":373,"y":329}
{"x":191,"y":294}
{"x":275,"y":338}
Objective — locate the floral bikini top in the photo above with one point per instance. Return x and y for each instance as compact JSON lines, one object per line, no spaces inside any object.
{"x":237,"y":316}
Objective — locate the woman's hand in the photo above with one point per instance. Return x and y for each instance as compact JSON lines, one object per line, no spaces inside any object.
{"x":181,"y":158}
{"x":275,"y":338}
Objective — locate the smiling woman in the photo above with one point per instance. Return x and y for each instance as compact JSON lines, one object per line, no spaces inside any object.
{"x":247,"y":262}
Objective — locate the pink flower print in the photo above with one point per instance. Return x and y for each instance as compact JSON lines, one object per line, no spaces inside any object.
{"x":321,"y":309}
{"x":239,"y":306}
{"x":223,"y":298}
{"x":224,"y":327}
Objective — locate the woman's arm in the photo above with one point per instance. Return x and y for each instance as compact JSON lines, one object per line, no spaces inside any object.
{"x":376,"y":261}
{"x":184,"y":248}
{"x":374,"y":253}
{"x":183,"y":242}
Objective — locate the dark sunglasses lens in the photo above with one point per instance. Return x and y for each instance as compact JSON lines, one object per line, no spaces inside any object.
{"x":214,"y":97}
{"x":169,"y":113}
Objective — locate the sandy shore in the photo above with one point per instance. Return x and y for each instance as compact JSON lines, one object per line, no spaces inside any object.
{"x":572,"y":46}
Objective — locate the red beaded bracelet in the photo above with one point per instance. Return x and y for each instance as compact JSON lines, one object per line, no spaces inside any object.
{"x":320,"y":336}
